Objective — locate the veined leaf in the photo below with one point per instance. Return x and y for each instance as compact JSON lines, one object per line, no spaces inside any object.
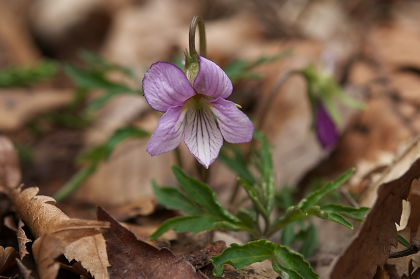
{"x":202,"y":195}
{"x":315,"y":197}
{"x":284,"y":259}
{"x":172,"y":198}
{"x":332,"y":216}
{"x":347,"y":211}
{"x":194,"y":224}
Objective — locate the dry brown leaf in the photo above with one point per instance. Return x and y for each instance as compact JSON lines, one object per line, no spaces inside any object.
{"x":18,"y":106}
{"x":378,"y":233}
{"x":55,"y":232}
{"x":23,"y":270}
{"x":133,"y":258}
{"x":7,"y":258}
{"x":22,"y":240}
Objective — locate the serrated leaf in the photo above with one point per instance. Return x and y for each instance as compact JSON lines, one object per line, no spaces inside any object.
{"x":347,"y":211}
{"x":285,"y":272}
{"x":283,"y":259}
{"x":240,"y":256}
{"x":194,"y":224}
{"x":335,"y":217}
{"x":172,"y":198}
{"x":202,"y":195}
{"x":294,"y":261}
{"x":315,"y":197}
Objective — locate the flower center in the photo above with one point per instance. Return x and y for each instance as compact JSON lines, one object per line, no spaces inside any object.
{"x":197,"y":102}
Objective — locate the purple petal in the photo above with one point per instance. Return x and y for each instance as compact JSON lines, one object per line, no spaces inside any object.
{"x":165,"y":86}
{"x":233,"y":123}
{"x":326,"y":130}
{"x":202,"y":136}
{"x":212,"y":80}
{"x":168,"y":134}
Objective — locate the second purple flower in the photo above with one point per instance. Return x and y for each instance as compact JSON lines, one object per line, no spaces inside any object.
{"x":195,"y":111}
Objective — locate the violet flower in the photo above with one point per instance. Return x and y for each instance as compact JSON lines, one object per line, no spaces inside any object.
{"x":326,"y":130}
{"x":196,"y":111}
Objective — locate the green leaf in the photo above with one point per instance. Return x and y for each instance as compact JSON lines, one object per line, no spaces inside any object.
{"x":95,"y":80}
{"x":240,"y":256}
{"x":28,"y":75}
{"x":347,"y":211}
{"x":332,"y":216}
{"x":248,"y":218}
{"x":265,"y":166}
{"x":104,"y":151}
{"x":403,"y":241}
{"x":172,"y":198}
{"x":315,"y":197}
{"x":288,"y":235}
{"x":294,"y":261}
{"x":202,"y":195}
{"x":310,"y":239}
{"x":194,"y":224}
{"x":284,"y":259}
{"x":237,"y":164}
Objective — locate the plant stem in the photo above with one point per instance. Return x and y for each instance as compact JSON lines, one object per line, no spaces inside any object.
{"x":202,"y":36}
{"x":178,"y":157}
{"x":75,"y":182}
{"x":260,"y":124}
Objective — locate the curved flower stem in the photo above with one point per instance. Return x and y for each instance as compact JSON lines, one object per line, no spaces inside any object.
{"x":202,"y":36}
{"x":260,"y":124}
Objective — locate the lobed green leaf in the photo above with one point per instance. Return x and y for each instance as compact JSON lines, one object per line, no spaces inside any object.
{"x":201,"y":194}
{"x":194,"y":224}
{"x":284,"y":260}
{"x":315,"y":197}
{"x":172,"y":198}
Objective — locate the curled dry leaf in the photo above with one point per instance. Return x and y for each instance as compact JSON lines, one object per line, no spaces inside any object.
{"x":55,"y":232}
{"x":22,"y":240}
{"x":133,"y":258}
{"x":372,"y":245}
{"x":7,"y":258}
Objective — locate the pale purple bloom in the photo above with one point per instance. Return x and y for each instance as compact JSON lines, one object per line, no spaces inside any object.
{"x":326,"y":130}
{"x":197,"y":112}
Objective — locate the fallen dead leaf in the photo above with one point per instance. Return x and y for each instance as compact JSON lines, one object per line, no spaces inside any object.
{"x":371,"y":247}
{"x":55,"y":232}
{"x":133,"y":258}
{"x":18,"y":106}
{"x":22,"y":240}
{"x":7,"y":258}
{"x":23,"y":270}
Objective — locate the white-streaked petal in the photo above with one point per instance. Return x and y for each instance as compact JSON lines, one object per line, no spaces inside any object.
{"x":165,"y":85}
{"x":212,"y":80}
{"x":233,"y":123}
{"x":202,"y":136}
{"x":168,"y":135}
